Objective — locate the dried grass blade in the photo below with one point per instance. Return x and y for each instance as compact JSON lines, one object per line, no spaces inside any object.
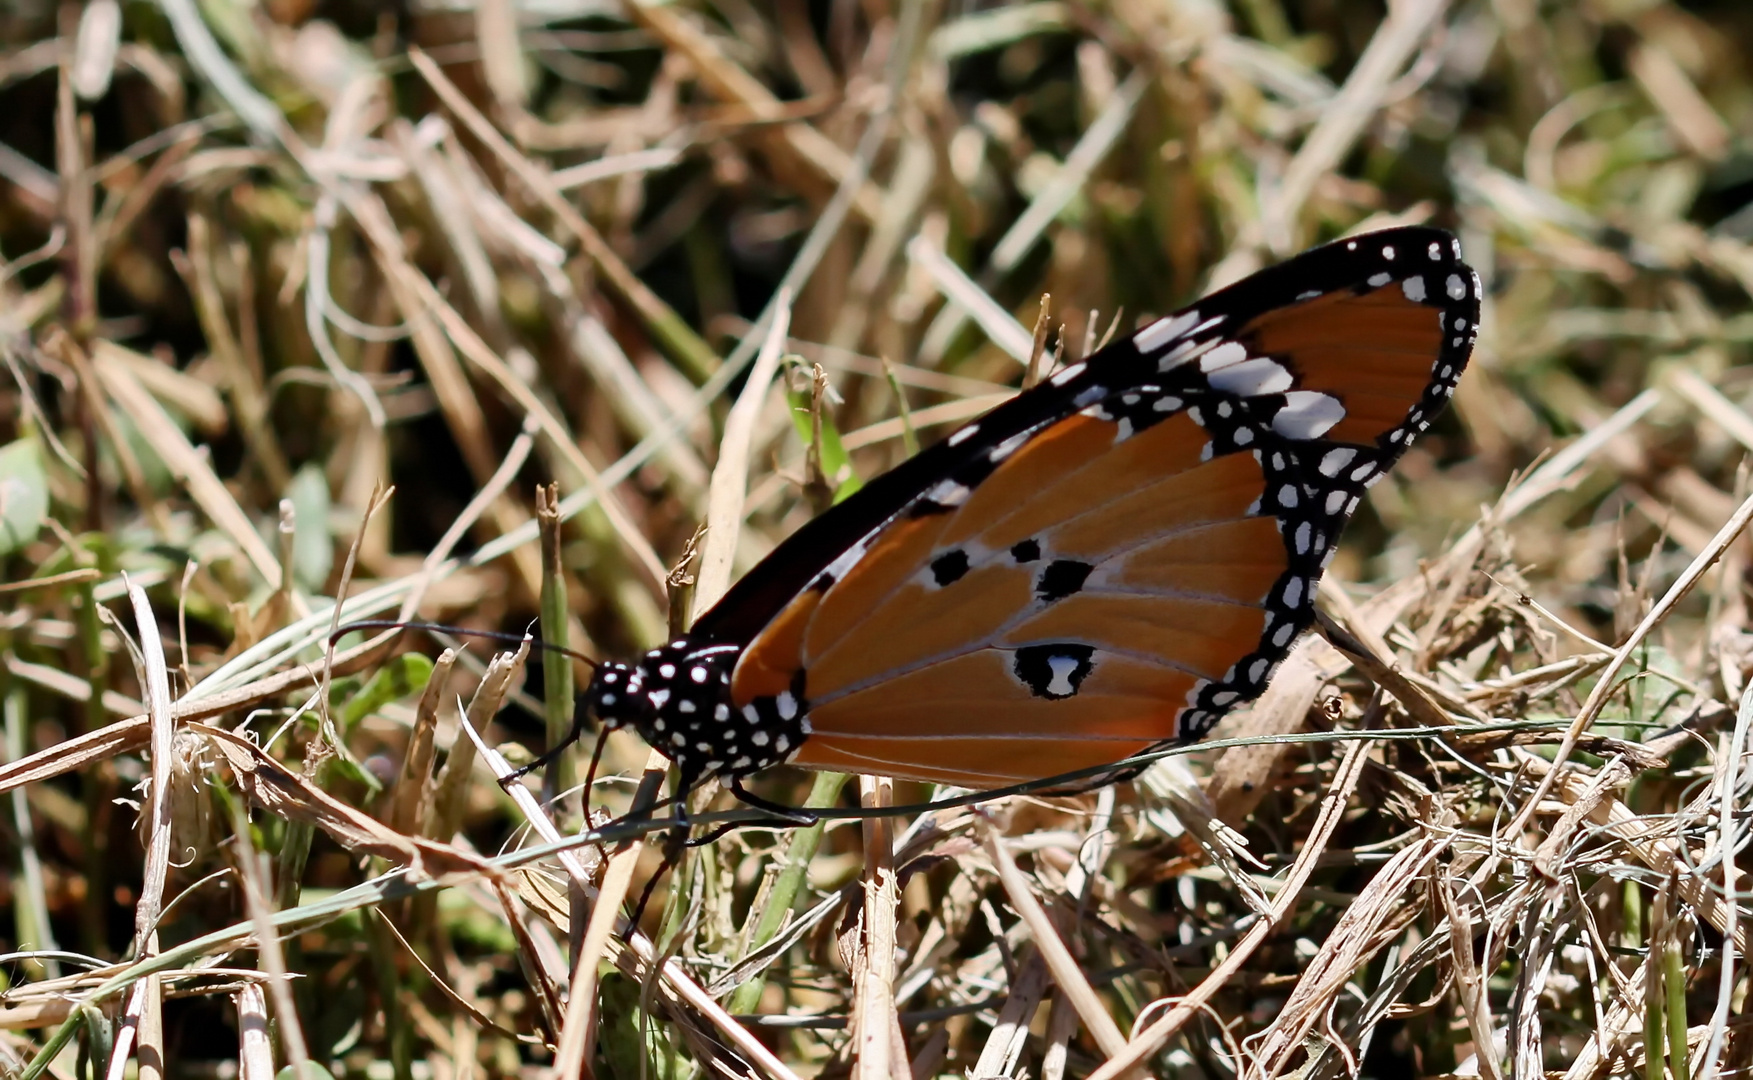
{"x":255,"y":1054}
{"x":1729,"y":772}
{"x":961,"y":290}
{"x":1475,"y":1004}
{"x":193,"y":468}
{"x":1054,"y":952}
{"x":876,"y":1025}
{"x":687,"y":346}
{"x":728,"y":488}
{"x":1344,"y":118}
{"x":1354,"y":939}
{"x":1604,"y":686}
{"x":1145,"y":1045}
{"x":285,"y":794}
{"x":142,"y":1018}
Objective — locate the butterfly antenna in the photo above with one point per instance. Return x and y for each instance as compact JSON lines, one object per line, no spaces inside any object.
{"x":460,"y":631}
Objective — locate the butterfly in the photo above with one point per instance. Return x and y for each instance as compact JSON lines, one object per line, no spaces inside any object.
{"x":1107,"y":563}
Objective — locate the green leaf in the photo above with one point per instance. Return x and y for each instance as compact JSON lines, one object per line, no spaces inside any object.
{"x":627,"y":1034}
{"x":401,"y":677}
{"x":24,"y":494}
{"x":836,"y":462}
{"x":313,"y":549}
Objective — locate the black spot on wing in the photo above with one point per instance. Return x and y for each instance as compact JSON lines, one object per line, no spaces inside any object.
{"x":1025,"y":551}
{"x":1061,"y":578}
{"x":1053,"y":671}
{"x":949,"y":567}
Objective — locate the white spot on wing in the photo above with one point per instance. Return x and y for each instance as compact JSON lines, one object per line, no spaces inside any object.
{"x":1307,"y":414}
{"x":1008,"y":447}
{"x":1182,"y":353}
{"x":1250,"y":377}
{"x":1335,"y":460}
{"x":1163,"y":331}
{"x":1230,"y":352}
{"x":1457,"y":288}
{"x":1063,"y":668}
{"x":1413,"y":287}
{"x":947,"y":493}
{"x":1068,"y":374}
{"x":1376,"y":281}
{"x":963,"y":435}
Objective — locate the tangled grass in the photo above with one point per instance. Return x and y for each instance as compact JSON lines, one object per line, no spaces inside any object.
{"x":305,"y":302}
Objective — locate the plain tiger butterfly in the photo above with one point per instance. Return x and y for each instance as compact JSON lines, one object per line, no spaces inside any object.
{"x":1106,"y":563}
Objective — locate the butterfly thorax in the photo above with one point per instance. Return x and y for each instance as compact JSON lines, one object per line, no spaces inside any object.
{"x":678,"y":698}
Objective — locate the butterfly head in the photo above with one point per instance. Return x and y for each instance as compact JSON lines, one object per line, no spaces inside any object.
{"x":617,"y":695}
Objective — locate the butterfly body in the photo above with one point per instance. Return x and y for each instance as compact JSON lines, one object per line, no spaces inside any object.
{"x":1108,"y":562}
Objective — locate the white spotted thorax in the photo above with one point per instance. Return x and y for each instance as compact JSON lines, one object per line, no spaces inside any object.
{"x":1211,"y":363}
{"x":678,"y":699}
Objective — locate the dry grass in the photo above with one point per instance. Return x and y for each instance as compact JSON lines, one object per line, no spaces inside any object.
{"x":302,"y":304}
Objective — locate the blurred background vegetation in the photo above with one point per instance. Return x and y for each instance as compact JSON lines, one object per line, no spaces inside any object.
{"x":265,"y":259}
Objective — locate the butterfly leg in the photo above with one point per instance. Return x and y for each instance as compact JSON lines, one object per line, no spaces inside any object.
{"x":790,"y":814}
{"x":672,"y":855}
{"x":578,"y":723}
{"x":708,"y":838}
{"x":676,"y":839}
